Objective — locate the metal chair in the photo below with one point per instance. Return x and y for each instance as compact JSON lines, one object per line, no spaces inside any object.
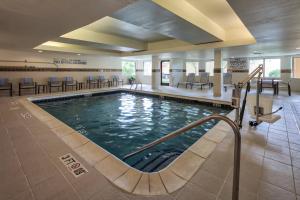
{"x":54,"y":82}
{"x":102,"y":81}
{"x":189,"y":81}
{"x":117,"y":80}
{"x":92,"y":81}
{"x":6,"y":85}
{"x":227,"y":80}
{"x":204,"y":80}
{"x":69,"y":82}
{"x":25,"y":84}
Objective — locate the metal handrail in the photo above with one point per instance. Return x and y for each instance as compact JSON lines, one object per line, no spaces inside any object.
{"x":237,"y":146}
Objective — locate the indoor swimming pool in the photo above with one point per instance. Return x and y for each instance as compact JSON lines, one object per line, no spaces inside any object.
{"x":121,"y":122}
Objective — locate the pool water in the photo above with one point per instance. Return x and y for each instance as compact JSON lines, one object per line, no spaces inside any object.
{"x":122,"y":122}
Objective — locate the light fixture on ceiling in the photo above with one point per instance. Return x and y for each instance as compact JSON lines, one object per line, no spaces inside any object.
{"x":257,"y":52}
{"x":40,"y":51}
{"x":298,"y":48}
{"x":78,"y":54}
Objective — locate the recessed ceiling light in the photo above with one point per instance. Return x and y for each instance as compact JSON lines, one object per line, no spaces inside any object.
{"x":78,"y":54}
{"x":298,"y":48}
{"x":40,"y":51}
{"x":257,"y":52}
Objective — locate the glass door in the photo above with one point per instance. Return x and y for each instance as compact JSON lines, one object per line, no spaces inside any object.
{"x":165,"y":72}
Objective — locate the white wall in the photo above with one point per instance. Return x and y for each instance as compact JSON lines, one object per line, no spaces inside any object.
{"x":178,"y":65}
{"x":140,"y":73}
{"x":111,"y":66}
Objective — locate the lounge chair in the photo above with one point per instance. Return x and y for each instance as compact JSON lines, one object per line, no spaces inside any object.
{"x":6,"y":85}
{"x":102,"y":81}
{"x":69,"y":82}
{"x":117,"y":80}
{"x":268,"y":83}
{"x":92,"y":81}
{"x":54,"y":82}
{"x":25,"y":84}
{"x":189,"y":81}
{"x":227,"y":80}
{"x":204,"y":80}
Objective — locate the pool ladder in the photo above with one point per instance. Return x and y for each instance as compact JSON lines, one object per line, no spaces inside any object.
{"x":237,"y":146}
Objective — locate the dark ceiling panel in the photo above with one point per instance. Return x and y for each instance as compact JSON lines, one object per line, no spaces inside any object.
{"x":151,"y":16}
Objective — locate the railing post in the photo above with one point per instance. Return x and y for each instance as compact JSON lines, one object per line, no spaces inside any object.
{"x":237,"y":146}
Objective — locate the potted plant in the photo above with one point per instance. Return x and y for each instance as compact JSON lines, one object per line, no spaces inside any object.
{"x":131,"y":80}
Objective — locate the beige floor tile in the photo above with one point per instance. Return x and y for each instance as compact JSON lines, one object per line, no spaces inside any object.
{"x":111,"y":168}
{"x":192,"y":192}
{"x":278,"y":174}
{"x":93,"y":182}
{"x":203,"y":147}
{"x":91,"y":152}
{"x":26,"y":195}
{"x":12,"y":185}
{"x":270,"y":192}
{"x":143,"y":186}
{"x":53,"y":188}
{"x":207,"y":181}
{"x":244,"y":194}
{"x":286,"y":159}
{"x":186,"y":164}
{"x":62,"y":131}
{"x":129,"y":180}
{"x":75,"y":140}
{"x":171,"y":181}
{"x":156,"y":185}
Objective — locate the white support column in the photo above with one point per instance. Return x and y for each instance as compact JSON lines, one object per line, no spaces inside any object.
{"x":217,"y":73}
{"x":156,"y":73}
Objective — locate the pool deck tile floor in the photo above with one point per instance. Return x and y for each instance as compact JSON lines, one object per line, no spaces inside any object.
{"x":30,"y":168}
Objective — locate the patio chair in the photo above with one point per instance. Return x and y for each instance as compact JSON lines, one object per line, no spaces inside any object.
{"x":70,"y":82}
{"x":6,"y":85}
{"x":54,"y":82}
{"x":92,"y":81}
{"x":204,"y":80}
{"x":117,"y":80}
{"x":102,"y":81}
{"x":189,"y":81}
{"x":268,"y":83}
{"x":25,"y":84}
{"x":227,"y":80}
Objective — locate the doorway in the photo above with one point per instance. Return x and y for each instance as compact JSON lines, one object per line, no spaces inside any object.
{"x":165,"y":72}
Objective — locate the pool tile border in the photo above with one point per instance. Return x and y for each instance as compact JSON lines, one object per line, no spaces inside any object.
{"x":131,"y":180}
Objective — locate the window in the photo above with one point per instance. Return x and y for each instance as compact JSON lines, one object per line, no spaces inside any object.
{"x":147,"y":68}
{"x":192,"y":67}
{"x":209,"y":67}
{"x":296,"y":67}
{"x":272,"y":68}
{"x":254,"y":63}
{"x":224,"y":66}
{"x":128,"y":68}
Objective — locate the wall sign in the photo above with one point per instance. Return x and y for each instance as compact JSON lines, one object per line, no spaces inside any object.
{"x":73,"y":165}
{"x":238,"y":63}
{"x":69,"y":61}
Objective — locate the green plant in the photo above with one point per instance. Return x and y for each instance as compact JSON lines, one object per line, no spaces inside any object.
{"x":128,"y":68}
{"x":274,"y":73}
{"x":131,"y":79}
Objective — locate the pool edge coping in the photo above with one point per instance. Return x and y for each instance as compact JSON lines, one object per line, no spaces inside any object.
{"x":125,"y":177}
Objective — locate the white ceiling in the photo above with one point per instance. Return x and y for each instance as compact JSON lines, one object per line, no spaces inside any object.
{"x":114,"y":26}
{"x":25,"y":24}
{"x":275,"y":24}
